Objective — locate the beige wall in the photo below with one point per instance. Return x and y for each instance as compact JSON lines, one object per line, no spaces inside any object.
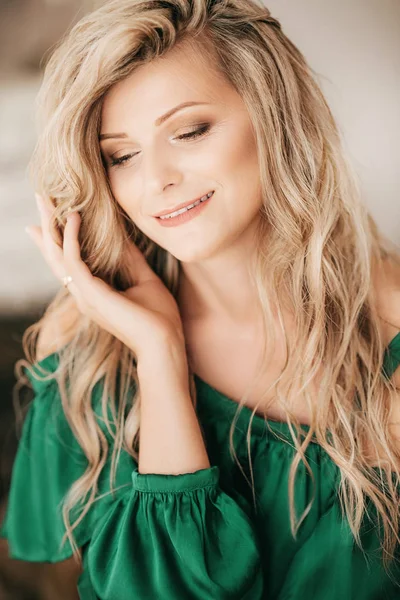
{"x":354,"y":46}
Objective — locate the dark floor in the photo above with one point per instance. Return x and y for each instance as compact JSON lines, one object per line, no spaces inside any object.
{"x":18,"y":580}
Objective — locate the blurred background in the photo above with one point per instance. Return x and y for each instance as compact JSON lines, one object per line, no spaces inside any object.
{"x":354,"y":47}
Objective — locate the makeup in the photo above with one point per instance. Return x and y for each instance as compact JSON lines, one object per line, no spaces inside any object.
{"x":186,"y":216}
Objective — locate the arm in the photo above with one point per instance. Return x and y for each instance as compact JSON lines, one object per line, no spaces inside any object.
{"x":176,"y":534}
{"x":170,"y":437}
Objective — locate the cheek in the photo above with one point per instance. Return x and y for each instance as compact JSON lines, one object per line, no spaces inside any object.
{"x":244,"y":170}
{"x":240,"y":155}
{"x":121,"y":188}
{"x":118,"y":182}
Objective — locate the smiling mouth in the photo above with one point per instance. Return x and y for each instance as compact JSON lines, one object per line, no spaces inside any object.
{"x":175,"y":213}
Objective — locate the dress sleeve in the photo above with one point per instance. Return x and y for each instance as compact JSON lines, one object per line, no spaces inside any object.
{"x":176,"y":537}
{"x":48,"y":461}
{"x":164,"y":537}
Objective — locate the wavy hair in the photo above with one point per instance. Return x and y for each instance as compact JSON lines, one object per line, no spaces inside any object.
{"x":316,"y":244}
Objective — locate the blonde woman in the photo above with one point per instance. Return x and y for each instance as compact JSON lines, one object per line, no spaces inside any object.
{"x":216,"y":408}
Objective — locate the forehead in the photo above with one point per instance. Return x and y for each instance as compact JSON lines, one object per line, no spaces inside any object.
{"x":152,"y":89}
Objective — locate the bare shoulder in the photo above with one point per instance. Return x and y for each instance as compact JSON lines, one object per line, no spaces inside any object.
{"x":386,"y":283}
{"x":387,"y":290}
{"x":387,"y":294}
{"x":57,"y":330}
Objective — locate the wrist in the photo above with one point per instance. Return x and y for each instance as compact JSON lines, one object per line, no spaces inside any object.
{"x":165,"y":356}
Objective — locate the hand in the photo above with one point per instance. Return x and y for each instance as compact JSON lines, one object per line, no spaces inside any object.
{"x":141,"y":316}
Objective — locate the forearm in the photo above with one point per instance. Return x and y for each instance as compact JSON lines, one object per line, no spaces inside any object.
{"x":170,"y":437}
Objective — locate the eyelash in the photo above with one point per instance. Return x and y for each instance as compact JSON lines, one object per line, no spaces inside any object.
{"x":117,"y":162}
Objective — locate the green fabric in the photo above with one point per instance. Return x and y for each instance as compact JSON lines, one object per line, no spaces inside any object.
{"x":196,"y":536}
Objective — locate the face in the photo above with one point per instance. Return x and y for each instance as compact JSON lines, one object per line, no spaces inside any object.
{"x":209,"y":146}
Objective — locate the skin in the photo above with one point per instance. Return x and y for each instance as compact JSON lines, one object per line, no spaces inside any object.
{"x":217,"y":301}
{"x":215,"y":248}
{"x":217,"y":305}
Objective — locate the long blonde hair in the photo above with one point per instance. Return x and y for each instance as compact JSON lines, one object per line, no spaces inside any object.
{"x":316,"y":242}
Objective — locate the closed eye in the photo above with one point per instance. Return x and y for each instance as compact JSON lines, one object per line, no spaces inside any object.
{"x":115,"y":162}
{"x":196,"y":133}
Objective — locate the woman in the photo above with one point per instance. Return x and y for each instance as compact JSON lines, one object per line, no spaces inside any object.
{"x":249,"y":343}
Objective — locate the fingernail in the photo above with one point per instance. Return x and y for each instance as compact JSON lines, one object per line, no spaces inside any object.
{"x":28,"y":231}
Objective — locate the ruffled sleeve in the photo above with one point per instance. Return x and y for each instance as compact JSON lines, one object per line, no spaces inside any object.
{"x":164,"y":537}
{"x":176,"y":537}
{"x":48,"y":461}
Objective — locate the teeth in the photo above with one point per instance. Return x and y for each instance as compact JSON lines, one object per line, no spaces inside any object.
{"x":182,"y":210}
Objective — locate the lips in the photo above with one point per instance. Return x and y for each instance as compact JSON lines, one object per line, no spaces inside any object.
{"x":179,"y":206}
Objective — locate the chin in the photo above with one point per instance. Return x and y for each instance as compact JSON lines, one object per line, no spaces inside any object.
{"x":195,"y":252}
{"x":190,"y":255}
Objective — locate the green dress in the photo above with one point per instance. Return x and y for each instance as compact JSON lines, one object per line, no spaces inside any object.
{"x":194,"y":536}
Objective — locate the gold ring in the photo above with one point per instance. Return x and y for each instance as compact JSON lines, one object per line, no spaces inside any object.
{"x":66,"y":280}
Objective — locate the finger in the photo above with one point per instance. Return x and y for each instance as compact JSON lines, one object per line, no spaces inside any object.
{"x":45,"y":203}
{"x":36,"y":235}
{"x":93,"y":295}
{"x":73,"y":263}
{"x":53,"y":253}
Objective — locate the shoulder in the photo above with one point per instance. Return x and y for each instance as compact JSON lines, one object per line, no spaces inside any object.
{"x":386,"y":282}
{"x":386,"y":295}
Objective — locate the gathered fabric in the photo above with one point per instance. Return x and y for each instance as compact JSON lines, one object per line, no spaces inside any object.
{"x":199,"y":535}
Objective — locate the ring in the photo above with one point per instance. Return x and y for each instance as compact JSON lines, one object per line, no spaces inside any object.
{"x":66,"y":280}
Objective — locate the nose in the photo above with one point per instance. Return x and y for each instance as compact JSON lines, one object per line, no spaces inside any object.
{"x":160,"y":171}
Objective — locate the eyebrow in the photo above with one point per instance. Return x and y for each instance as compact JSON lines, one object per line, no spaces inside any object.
{"x":157,"y":122}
